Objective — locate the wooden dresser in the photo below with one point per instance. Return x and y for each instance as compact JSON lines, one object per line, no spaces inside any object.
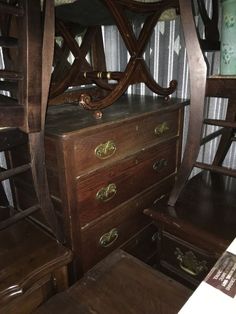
{"x":103,"y":173}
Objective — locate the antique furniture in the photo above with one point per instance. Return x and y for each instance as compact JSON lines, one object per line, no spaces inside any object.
{"x":103,"y":173}
{"x":33,"y":267}
{"x":84,"y":19}
{"x":120,"y":284}
{"x":28,"y":61}
{"x":197,"y":220}
{"x":202,"y":86}
{"x":196,"y":231}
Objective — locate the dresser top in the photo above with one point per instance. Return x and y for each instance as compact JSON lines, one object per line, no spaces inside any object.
{"x":68,"y":118}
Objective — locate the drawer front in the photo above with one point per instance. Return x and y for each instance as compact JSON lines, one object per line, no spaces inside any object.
{"x":100,"y":191}
{"x":110,"y":232}
{"x":184,"y":259}
{"x":143,"y":245}
{"x":121,"y":139}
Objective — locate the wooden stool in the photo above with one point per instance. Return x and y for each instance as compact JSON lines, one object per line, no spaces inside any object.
{"x":120,"y":284}
{"x":33,"y":266}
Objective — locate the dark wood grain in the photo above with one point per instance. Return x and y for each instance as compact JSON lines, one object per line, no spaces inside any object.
{"x":29,"y":64}
{"x":83,"y":72}
{"x":201,"y":86}
{"x":28,"y":260}
{"x":131,"y":176}
{"x":203,"y":221}
{"x":120,"y":284}
{"x":76,"y":174}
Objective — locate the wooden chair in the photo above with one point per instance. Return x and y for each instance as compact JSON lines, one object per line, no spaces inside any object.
{"x":33,"y":267}
{"x":26,"y":78}
{"x":202,"y":86}
{"x":87,"y":17}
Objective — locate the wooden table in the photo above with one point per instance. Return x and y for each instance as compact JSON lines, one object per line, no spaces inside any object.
{"x":120,"y":284}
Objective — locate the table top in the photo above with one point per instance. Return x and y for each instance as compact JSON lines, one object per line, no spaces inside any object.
{"x":120,"y":284}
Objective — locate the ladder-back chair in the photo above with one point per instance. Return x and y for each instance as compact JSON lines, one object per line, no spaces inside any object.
{"x":24,"y":85}
{"x":202,"y":86}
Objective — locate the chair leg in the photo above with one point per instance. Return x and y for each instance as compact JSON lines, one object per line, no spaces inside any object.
{"x":192,"y":145}
{"x":37,"y":154}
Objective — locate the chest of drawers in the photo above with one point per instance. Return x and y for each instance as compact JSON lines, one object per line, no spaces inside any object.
{"x":103,"y":173}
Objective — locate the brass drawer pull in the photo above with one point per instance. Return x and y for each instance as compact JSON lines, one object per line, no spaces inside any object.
{"x":161,"y":129}
{"x":105,"y":150}
{"x":107,"y":239}
{"x":106,"y":193}
{"x":158,"y":165}
{"x":188,"y":262}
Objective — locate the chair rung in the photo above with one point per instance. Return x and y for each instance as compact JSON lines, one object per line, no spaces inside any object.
{"x":219,"y":169}
{"x":11,"y":9}
{"x":220,"y":86}
{"x":14,"y":171}
{"x":223,"y":123}
{"x":7,"y":101}
{"x":8,"y":86}
{"x":8,"y":42}
{"x":20,"y":215}
{"x":211,"y":136}
{"x":11,"y":75}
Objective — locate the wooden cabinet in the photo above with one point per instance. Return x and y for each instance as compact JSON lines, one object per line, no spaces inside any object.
{"x":103,"y":173}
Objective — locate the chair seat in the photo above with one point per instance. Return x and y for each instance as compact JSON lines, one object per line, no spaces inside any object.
{"x":29,"y":260}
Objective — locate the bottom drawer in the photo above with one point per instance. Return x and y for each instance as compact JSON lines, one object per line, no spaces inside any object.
{"x":143,"y":245}
{"x":184,"y":259}
{"x":111,"y":231}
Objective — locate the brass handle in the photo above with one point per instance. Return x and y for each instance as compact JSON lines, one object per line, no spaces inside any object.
{"x":105,"y":150}
{"x":188,"y":262}
{"x":106,"y":193}
{"x":158,"y":165}
{"x":161,"y":129}
{"x":109,"y":238}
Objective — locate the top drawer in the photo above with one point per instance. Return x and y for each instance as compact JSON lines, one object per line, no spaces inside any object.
{"x":109,"y":143}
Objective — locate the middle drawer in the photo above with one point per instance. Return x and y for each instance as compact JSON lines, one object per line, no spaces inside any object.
{"x":106,"y":188}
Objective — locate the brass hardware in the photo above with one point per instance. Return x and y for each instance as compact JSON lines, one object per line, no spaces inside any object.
{"x":161,"y":129}
{"x":188,"y":262}
{"x":106,"y":193}
{"x":109,"y":238}
{"x":105,"y":150}
{"x":158,"y":165}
